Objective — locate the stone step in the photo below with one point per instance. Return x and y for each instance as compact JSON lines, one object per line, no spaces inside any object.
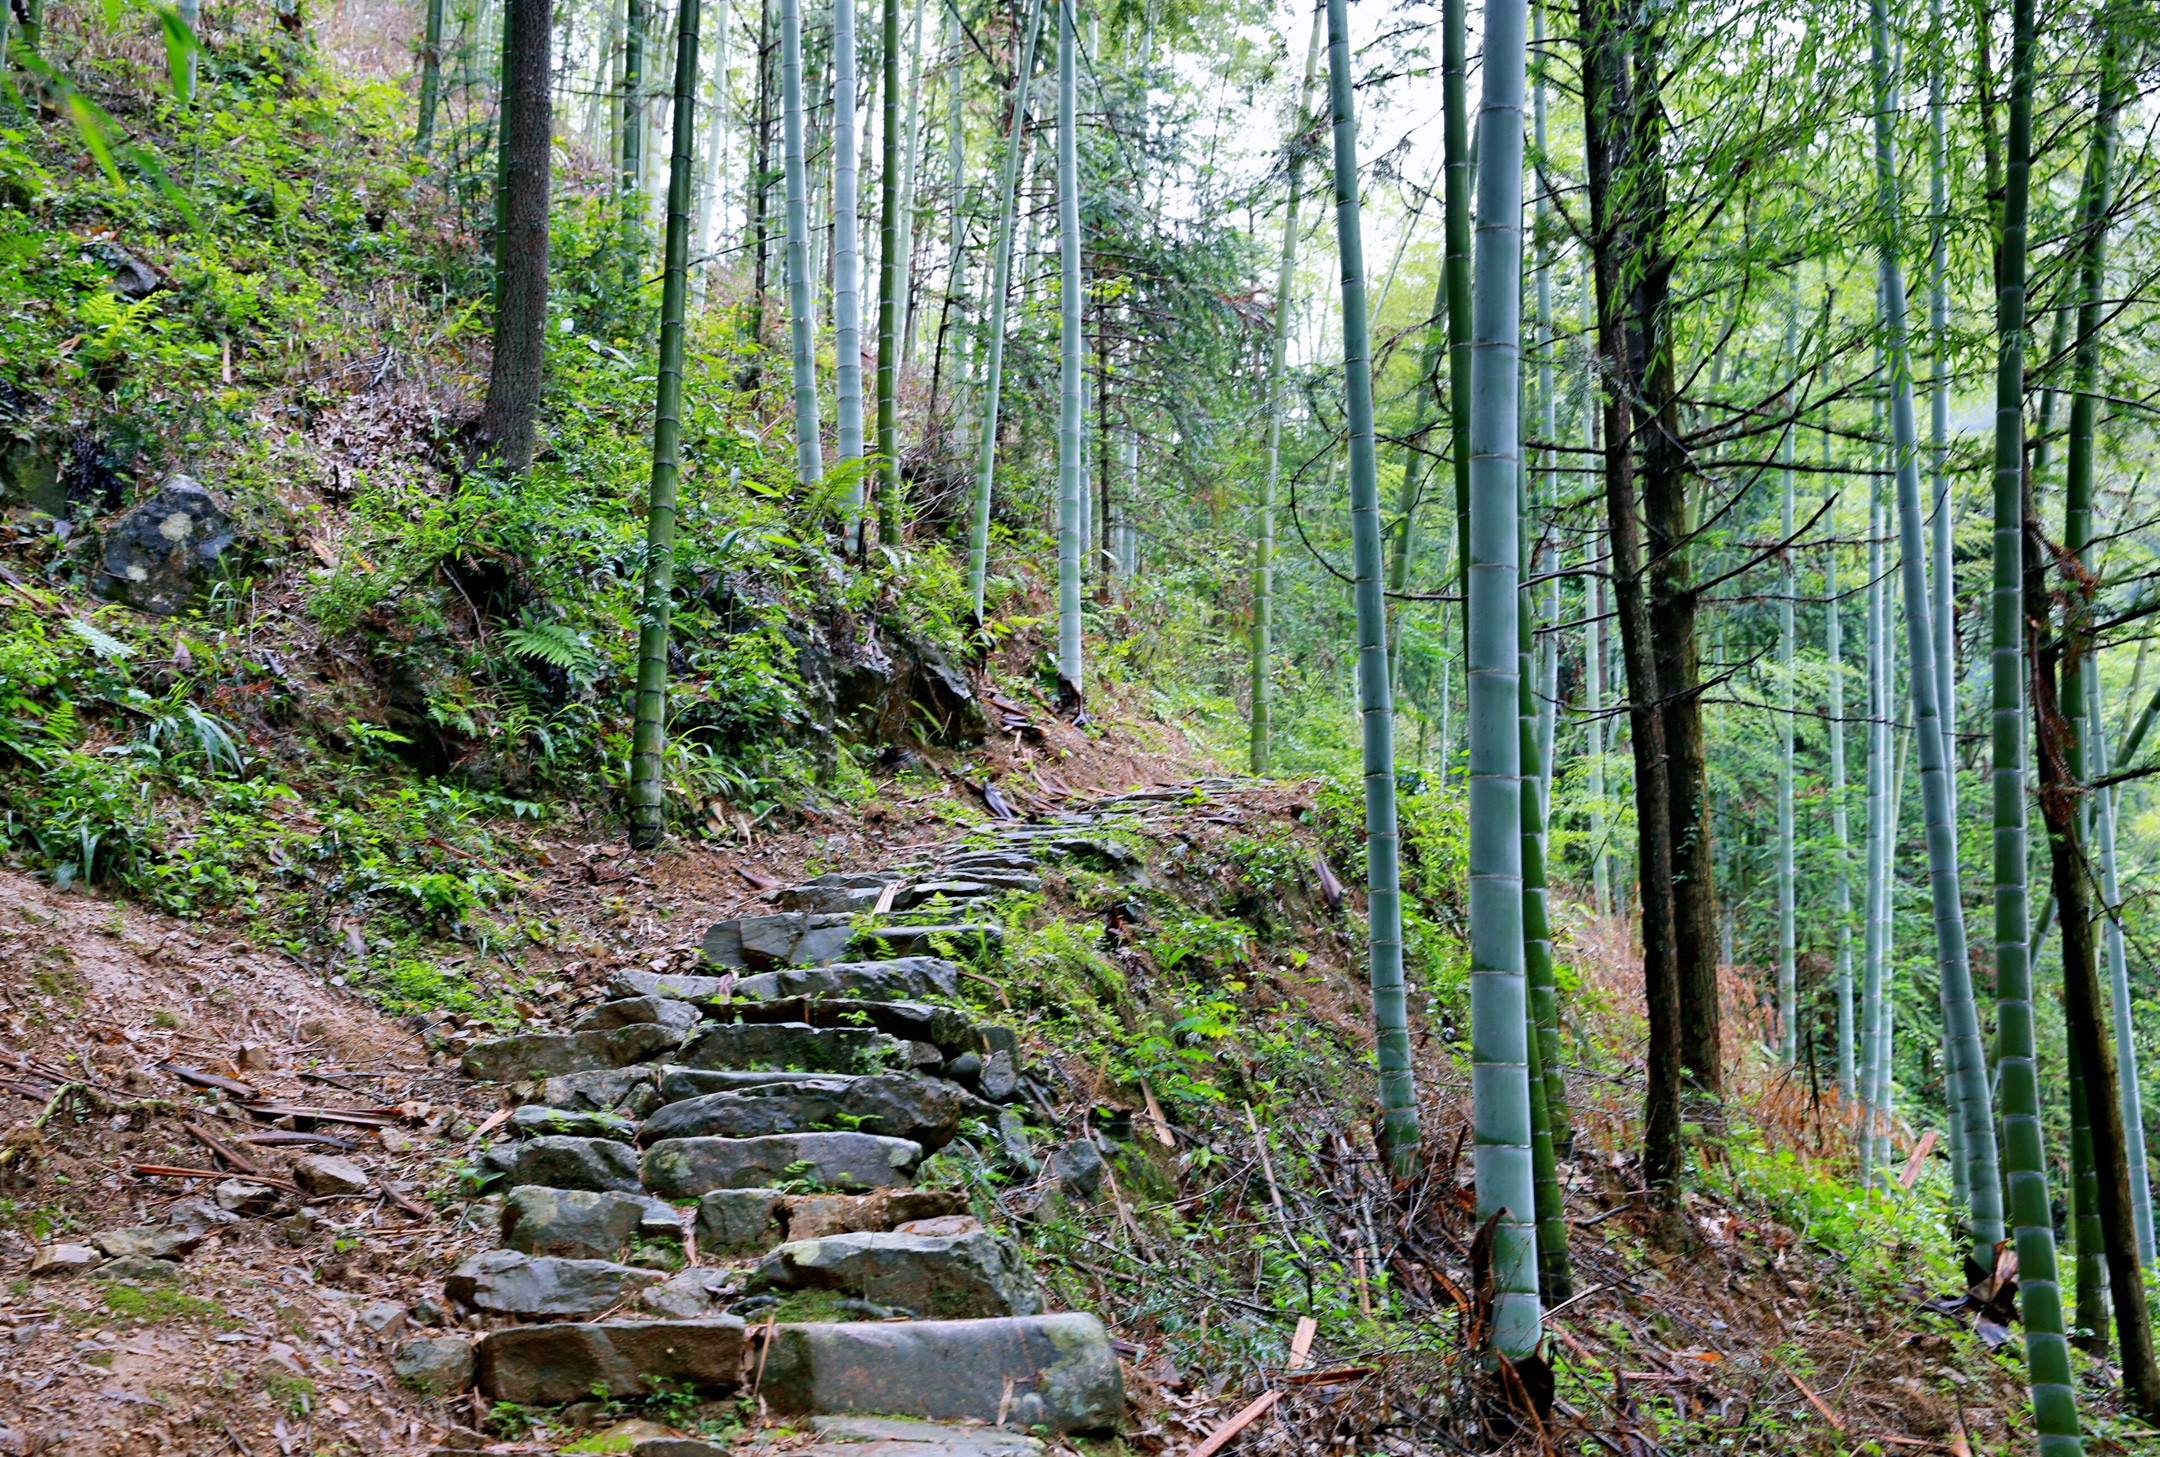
{"x":678,"y":987}
{"x":792,"y":938}
{"x":685,"y":1168}
{"x":550,"y":1365}
{"x":537,"y":1120}
{"x":948,"y":1029}
{"x":925,"y":1110}
{"x":789,"y":1047}
{"x":929,"y":1276}
{"x":535,"y":1055}
{"x":563,"y":1162}
{"x":1054,"y":1371}
{"x":678,"y":1083}
{"x":900,"y":979}
{"x":963,"y":886}
{"x":832,"y":899}
{"x":863,"y":1437}
{"x":631,"y":1011}
{"x":752,"y":1221}
{"x":508,"y":1282}
{"x":974,"y":938}
{"x":584,"y":1224}
{"x":624,"y":1090}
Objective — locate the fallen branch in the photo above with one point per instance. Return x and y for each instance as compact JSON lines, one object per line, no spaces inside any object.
{"x":1220,"y":1437}
{"x":223,"y":1150}
{"x":1817,"y":1402}
{"x":164,"y":1171}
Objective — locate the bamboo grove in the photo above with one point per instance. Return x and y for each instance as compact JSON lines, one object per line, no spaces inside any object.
{"x":1708,"y":445}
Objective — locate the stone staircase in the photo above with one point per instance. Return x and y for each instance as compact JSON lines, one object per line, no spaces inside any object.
{"x":711,"y":1181}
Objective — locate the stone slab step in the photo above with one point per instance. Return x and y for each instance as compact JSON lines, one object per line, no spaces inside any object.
{"x":630,"y":1011}
{"x":789,"y":1047}
{"x":507,"y":1282}
{"x":534,"y":1055}
{"x":925,"y":1110}
{"x":1055,"y":1371}
{"x":563,"y":1162}
{"x":584,"y":1224}
{"x":943,"y":1277}
{"x":627,"y":1090}
{"x":752,"y":1221}
{"x":538,"y":1120}
{"x":792,"y":938}
{"x":925,"y":940}
{"x":948,"y":1029}
{"x":864,"y":1437}
{"x":686,"y":1168}
{"x":896,"y":979}
{"x":682,"y":987}
{"x":549,"y":1365}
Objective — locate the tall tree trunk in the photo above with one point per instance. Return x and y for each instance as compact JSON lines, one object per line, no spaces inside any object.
{"x":912,"y":138}
{"x":2089,"y":1332}
{"x":1547,"y":1089}
{"x":1263,"y":623}
{"x":1455,"y":133}
{"x":2126,"y":1062}
{"x":1609,"y":127}
{"x":2047,"y":1356}
{"x":847,"y":264}
{"x":648,"y":786}
{"x":708,"y":218}
{"x":430,"y":77}
{"x":1383,"y":882}
{"x":1840,"y":825}
{"x":1072,"y":461}
{"x":1499,"y":1026}
{"x":1788,"y":982}
{"x":1000,"y":289}
{"x":1952,"y":966}
{"x":802,"y":326}
{"x":952,"y":309}
{"x":1873,"y":950}
{"x":515,"y":373}
{"x":629,"y":198}
{"x":892,"y":287}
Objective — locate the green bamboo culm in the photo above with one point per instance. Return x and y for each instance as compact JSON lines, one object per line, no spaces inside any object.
{"x":892,"y":285}
{"x":1952,"y":965}
{"x":1072,"y":460}
{"x":809,"y":450}
{"x":1500,"y":1054}
{"x":2047,"y":1353}
{"x":1000,"y":291}
{"x":629,"y":196}
{"x":1383,"y":876}
{"x":1263,"y":623}
{"x":1554,"y":1280}
{"x":1787,"y":974}
{"x":1840,"y":825}
{"x":1455,"y":223}
{"x":649,"y":739}
{"x":847,"y":266}
{"x":430,"y":78}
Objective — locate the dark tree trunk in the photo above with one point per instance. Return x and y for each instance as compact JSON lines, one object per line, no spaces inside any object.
{"x":2084,"y":1010}
{"x":514,"y":377}
{"x":1610,"y":130}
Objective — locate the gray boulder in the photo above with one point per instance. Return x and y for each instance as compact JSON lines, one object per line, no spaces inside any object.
{"x":584,"y":1224}
{"x":150,"y":1242}
{"x":690,"y":1167}
{"x":434,"y":1365}
{"x":1078,"y":1168}
{"x":904,"y":978}
{"x":562,"y":1162}
{"x":548,"y":1054}
{"x":630,"y":1011}
{"x":943,"y":1277}
{"x":678,"y":1083}
{"x":537,"y":1120}
{"x":507,"y":1282}
{"x":1054,"y":1371}
{"x":602,"y":1090}
{"x":925,"y":1110}
{"x":788,"y":1047}
{"x":548,"y":1365}
{"x":687,"y":1294}
{"x":738,"y":1221}
{"x":323,"y":1173}
{"x":792,"y":938}
{"x":164,"y":550}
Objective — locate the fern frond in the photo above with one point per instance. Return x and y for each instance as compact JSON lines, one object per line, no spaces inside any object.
{"x":550,"y":642}
{"x":101,"y":642}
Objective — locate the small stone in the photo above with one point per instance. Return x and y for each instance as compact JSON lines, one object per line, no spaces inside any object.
{"x":687,"y":1294}
{"x":944,"y":1225}
{"x":242,"y":1197}
{"x":384,"y":1318}
{"x":942,"y":1277}
{"x":537,"y":1120}
{"x":1078,"y":1168}
{"x":505,"y":1282}
{"x":1013,"y":1141}
{"x":999,"y":1080}
{"x":892,"y":1437}
{"x":298,"y":1227}
{"x":547,"y":1365}
{"x":64,"y":1260}
{"x":323,"y":1173}
{"x":689,"y":1167}
{"x":199,"y":1216}
{"x":394,"y":1140}
{"x":630,"y":1011}
{"x":427,"y":1310}
{"x":966,"y":1068}
{"x":151,"y":1242}
{"x":625,"y":1436}
{"x":434,"y":1365}
{"x":738,"y":1221}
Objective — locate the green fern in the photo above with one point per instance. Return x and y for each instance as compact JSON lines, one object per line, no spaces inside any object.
{"x":551,"y":642}
{"x":101,"y":642}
